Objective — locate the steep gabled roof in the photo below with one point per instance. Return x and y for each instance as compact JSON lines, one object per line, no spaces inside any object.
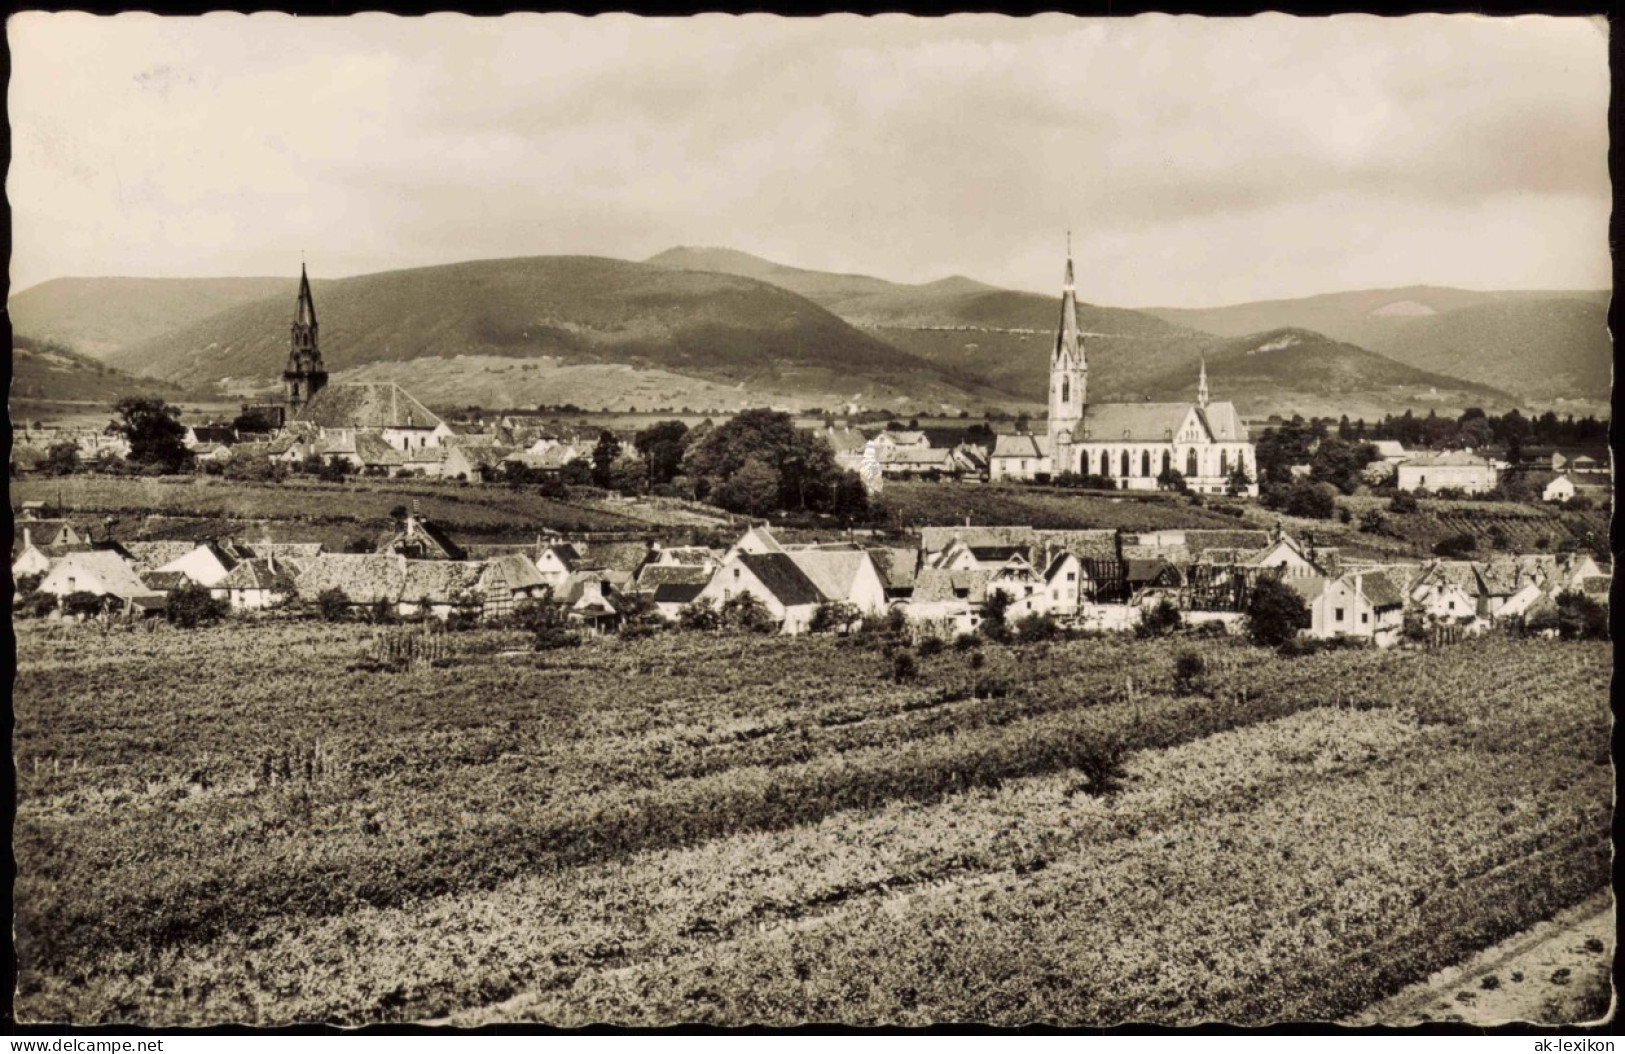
{"x":149,"y":556}
{"x":117,"y":577}
{"x":1134,"y":422}
{"x":440,"y":581}
{"x":516,"y":569}
{"x":165,"y":581}
{"x":937,"y":584}
{"x":898,"y":567}
{"x":259,"y":574}
{"x":677,"y":592}
{"x":364,"y":578}
{"x":1451,"y":458}
{"x":936,"y":539}
{"x":1380,"y":592}
{"x":375,"y":405}
{"x":833,"y":572}
{"x":786,"y":581}
{"x":653,"y":576}
{"x":1020,"y":445}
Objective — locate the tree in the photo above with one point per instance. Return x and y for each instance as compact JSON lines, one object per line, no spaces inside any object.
{"x":1456,"y":547}
{"x":802,"y":463}
{"x":1372,"y":522}
{"x":835,"y":616}
{"x":83,"y":605}
{"x":747,"y":613}
{"x":253,"y":421}
{"x":604,"y":456}
{"x":1315,"y":501}
{"x":1238,"y":481}
{"x":662,"y":447}
{"x":1580,"y":618}
{"x":753,"y":490}
{"x":1275,"y":613}
{"x":61,"y":459}
{"x":332,"y":604}
{"x":1159,"y":621}
{"x":1475,"y":433}
{"x":193,"y":605}
{"x":699,"y":615}
{"x":1403,"y":503}
{"x":1340,"y":463}
{"x":154,"y":431}
{"x":995,"y":625}
{"x":1171,"y":479}
{"x":1190,"y":667}
{"x":1038,"y":626}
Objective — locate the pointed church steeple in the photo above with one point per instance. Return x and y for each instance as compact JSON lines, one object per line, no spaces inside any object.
{"x":305,"y":375}
{"x":1201,"y":384}
{"x":1068,"y":372}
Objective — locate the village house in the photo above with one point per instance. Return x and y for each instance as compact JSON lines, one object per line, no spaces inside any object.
{"x":1446,"y":591}
{"x":1455,"y":469}
{"x":365,"y":579}
{"x":441,"y":588}
{"x":773,"y":578}
{"x":590,"y":599}
{"x":101,"y":573}
{"x":556,"y":562}
{"x":1365,"y":605}
{"x":848,"y":577}
{"x":1391,"y":451}
{"x":670,"y":598}
{"x":506,"y":582}
{"x":418,"y":539}
{"x":255,"y":584}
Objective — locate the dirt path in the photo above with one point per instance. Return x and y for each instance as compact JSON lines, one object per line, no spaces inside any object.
{"x":1555,"y":972}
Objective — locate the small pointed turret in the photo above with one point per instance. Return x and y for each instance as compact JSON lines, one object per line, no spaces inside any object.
{"x":1201,"y":385}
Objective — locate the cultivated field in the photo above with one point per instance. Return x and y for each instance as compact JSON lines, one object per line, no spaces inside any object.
{"x":922,"y":504}
{"x":310,"y":510}
{"x":240,"y":824}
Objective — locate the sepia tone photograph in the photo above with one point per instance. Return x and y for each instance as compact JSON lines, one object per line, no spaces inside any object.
{"x":840,"y":521}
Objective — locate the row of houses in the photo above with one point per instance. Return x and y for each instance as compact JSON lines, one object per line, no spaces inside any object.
{"x":946,"y":583}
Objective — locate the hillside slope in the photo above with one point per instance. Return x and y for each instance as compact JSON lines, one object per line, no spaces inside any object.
{"x":47,"y":372}
{"x":725,"y":329}
{"x":96,"y":316}
{"x":1538,"y":345}
{"x":1287,"y":371}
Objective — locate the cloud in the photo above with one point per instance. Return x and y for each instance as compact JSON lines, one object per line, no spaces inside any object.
{"x":1195,"y":159}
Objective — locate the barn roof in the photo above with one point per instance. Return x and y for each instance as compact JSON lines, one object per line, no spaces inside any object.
{"x":516,"y":569}
{"x":363,"y":577}
{"x":441,"y":581}
{"x":259,"y":574}
{"x":149,"y":556}
{"x":116,"y":575}
{"x":834,"y":573}
{"x":937,"y":584}
{"x":677,"y":592}
{"x":786,"y":581}
{"x":653,"y":576}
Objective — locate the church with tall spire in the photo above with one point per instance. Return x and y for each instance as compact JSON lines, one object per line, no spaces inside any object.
{"x":305,"y":375}
{"x":1136,"y":446}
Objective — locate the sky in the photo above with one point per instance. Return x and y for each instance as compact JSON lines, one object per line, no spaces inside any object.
{"x":1195,"y":161}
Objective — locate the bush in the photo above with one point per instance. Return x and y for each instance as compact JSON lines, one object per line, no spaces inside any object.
{"x":1275,"y":613}
{"x":1372,"y":522}
{"x":193,"y":605}
{"x":1402,"y":503}
{"x":747,"y":613}
{"x":83,"y":605}
{"x":967,"y":642}
{"x":333,"y":605}
{"x":1189,"y":670}
{"x":932,"y":646}
{"x":1037,"y":627}
{"x":1456,"y":547}
{"x":835,"y":616}
{"x":1580,"y":618}
{"x":1158,"y":621}
{"x":903,"y":667}
{"x":1104,"y":768}
{"x":700,"y":615}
